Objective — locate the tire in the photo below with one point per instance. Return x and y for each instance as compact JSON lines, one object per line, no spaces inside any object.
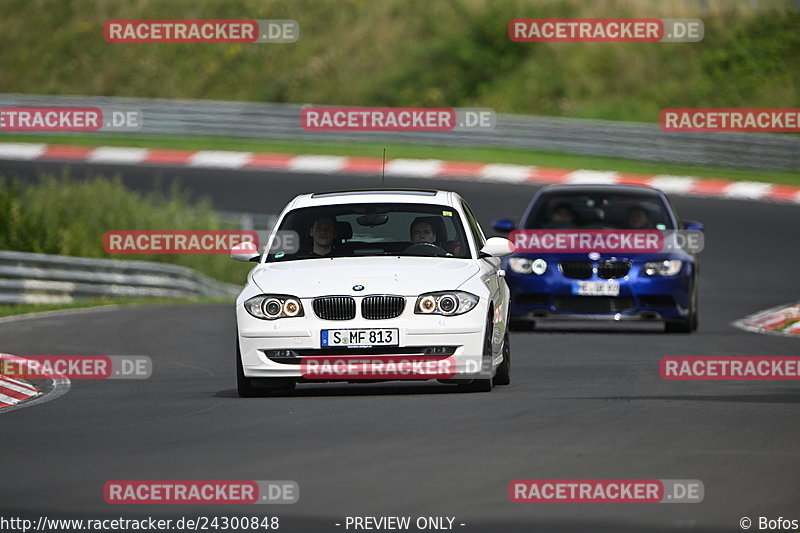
{"x":688,"y":324}
{"x":503,"y":375}
{"x":482,"y":385}
{"x":255,"y":387}
{"x":243,"y":384}
{"x":695,"y":310}
{"x":681,"y":325}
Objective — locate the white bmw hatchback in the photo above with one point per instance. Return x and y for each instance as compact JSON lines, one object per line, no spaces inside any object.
{"x":374,"y":285}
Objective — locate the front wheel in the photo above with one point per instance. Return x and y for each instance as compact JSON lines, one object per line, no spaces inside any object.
{"x":503,"y":375}
{"x":482,"y":385}
{"x":688,"y":324}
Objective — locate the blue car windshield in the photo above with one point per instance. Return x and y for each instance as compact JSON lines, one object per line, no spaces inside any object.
{"x":599,"y":211}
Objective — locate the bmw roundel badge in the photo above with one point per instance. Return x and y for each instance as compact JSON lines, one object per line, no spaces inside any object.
{"x":358,"y":287}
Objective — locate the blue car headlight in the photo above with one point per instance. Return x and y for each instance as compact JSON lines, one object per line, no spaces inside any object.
{"x":446,"y":303}
{"x":274,"y":306}
{"x":670,"y":267}
{"x":523,"y":265}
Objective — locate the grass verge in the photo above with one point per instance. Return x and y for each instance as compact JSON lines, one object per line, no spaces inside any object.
{"x":67,"y":216}
{"x":24,"y":309}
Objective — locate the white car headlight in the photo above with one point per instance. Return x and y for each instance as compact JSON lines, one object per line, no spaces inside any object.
{"x":523,"y":265}
{"x":274,"y":306}
{"x":662,"y":268}
{"x":446,"y":303}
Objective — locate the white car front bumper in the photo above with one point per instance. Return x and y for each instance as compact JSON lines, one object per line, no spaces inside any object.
{"x":275,"y":348}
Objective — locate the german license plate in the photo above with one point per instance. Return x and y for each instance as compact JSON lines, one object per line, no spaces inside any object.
{"x":596,"y":288}
{"x":360,"y":337}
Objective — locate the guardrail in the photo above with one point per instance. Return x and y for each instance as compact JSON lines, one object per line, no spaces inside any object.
{"x":40,"y":278}
{"x":630,"y":140}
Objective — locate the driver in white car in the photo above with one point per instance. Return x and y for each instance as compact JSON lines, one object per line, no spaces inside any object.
{"x":422,"y":231}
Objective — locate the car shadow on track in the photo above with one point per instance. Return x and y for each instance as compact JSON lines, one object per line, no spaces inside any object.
{"x":604,"y":327}
{"x":357,"y":389}
{"x":776,"y":397}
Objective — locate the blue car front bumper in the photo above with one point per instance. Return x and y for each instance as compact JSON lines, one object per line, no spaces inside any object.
{"x":554,"y":294}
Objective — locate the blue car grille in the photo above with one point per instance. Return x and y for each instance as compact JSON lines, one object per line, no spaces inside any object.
{"x":576,"y":269}
{"x":613,"y":269}
{"x":583,"y":269}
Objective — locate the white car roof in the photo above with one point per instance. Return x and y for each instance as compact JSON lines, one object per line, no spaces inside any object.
{"x":410,"y":196}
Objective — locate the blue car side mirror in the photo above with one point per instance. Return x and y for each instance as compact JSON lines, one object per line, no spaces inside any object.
{"x":692,"y":225}
{"x":504,"y":225}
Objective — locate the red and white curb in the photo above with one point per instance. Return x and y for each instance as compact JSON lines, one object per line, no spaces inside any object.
{"x":17,"y":393}
{"x":13,"y":391}
{"x":414,"y":168}
{"x":774,"y":321}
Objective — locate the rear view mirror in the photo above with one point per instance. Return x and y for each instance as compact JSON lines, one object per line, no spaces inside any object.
{"x":692,"y":225}
{"x":497,"y":247}
{"x":372,"y":219}
{"x":245,"y":251}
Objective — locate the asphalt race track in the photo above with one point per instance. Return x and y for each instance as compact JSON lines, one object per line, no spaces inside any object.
{"x":583,"y":404}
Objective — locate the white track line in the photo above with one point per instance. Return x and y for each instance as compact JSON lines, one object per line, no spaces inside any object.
{"x":219,"y":159}
{"x":326,"y":164}
{"x":415,"y":168}
{"x":506,"y":173}
{"x":24,"y":151}
{"x":111,"y":154}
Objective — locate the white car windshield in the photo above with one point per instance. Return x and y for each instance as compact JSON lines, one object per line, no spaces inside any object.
{"x":376,"y":229}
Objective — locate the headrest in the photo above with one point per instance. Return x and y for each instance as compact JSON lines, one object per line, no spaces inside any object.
{"x":344,"y":230}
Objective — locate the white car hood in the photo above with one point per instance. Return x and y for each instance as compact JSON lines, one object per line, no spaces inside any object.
{"x":405,"y":276}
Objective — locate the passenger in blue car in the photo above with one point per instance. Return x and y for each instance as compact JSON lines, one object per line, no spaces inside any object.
{"x":563,"y":217}
{"x":638,"y":218}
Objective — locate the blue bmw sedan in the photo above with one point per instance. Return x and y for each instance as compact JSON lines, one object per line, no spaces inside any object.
{"x":617,"y":284}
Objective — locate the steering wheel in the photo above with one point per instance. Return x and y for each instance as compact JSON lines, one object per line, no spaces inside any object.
{"x":425,"y":248}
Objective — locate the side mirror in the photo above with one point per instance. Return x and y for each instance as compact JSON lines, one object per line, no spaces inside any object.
{"x":504,"y":225}
{"x":245,"y":251}
{"x":692,"y":225}
{"x":497,"y":247}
